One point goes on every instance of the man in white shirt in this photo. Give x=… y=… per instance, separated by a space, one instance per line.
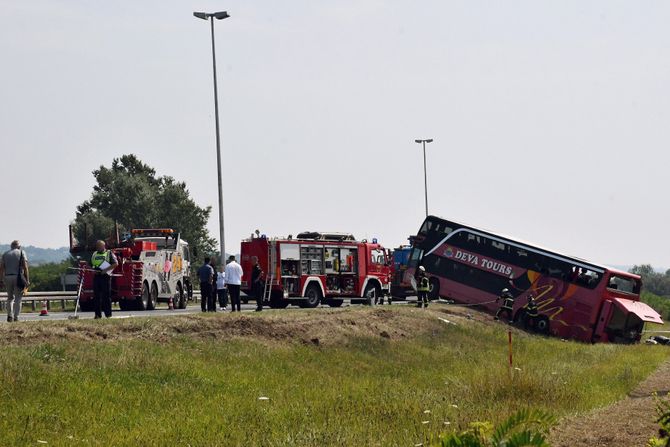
x=233 y=281
x=221 y=291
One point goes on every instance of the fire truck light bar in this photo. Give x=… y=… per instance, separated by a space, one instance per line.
x=145 y=231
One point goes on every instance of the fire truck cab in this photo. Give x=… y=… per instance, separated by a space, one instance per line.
x=316 y=267
x=154 y=266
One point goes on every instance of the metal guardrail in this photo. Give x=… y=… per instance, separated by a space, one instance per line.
x=49 y=297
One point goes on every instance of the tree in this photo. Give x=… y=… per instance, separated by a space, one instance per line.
x=653 y=281
x=131 y=194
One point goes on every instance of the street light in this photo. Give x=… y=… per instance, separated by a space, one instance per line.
x=219 y=16
x=425 y=175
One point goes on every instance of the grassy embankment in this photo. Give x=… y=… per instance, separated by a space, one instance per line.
x=197 y=388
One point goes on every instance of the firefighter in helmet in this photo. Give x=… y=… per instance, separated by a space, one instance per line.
x=507 y=305
x=532 y=313
x=422 y=287
x=103 y=262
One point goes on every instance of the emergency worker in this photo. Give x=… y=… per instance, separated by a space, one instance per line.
x=103 y=261
x=206 y=275
x=507 y=305
x=257 y=283
x=532 y=314
x=422 y=287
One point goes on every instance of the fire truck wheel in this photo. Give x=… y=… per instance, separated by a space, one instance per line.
x=153 y=297
x=312 y=296
x=142 y=302
x=86 y=306
x=126 y=305
x=278 y=302
x=434 y=291
x=335 y=303
x=372 y=293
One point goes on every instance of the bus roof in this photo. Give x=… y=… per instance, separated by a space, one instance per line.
x=575 y=259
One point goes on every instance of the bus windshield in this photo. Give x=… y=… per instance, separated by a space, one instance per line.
x=624 y=284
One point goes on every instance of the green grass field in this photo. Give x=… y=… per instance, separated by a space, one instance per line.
x=366 y=390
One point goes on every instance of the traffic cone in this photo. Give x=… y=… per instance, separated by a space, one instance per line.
x=45 y=308
x=171 y=304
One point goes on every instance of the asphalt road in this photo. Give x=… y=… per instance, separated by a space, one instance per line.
x=193 y=308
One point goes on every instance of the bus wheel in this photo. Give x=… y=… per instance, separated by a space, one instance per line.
x=335 y=303
x=371 y=294
x=153 y=297
x=434 y=291
x=542 y=325
x=312 y=296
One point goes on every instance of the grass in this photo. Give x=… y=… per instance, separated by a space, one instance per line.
x=367 y=391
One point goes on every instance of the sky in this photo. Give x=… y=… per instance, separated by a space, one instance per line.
x=549 y=119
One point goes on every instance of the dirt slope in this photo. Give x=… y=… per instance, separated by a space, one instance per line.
x=627 y=423
x=321 y=326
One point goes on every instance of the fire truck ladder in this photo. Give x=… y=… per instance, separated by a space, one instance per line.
x=272 y=259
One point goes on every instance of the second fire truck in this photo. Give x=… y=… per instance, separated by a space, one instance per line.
x=316 y=268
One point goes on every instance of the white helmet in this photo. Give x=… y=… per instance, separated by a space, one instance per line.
x=422 y=268
x=505 y=290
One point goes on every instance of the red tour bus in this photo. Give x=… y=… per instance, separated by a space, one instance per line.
x=576 y=299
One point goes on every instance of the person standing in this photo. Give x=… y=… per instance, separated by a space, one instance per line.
x=205 y=275
x=13 y=272
x=532 y=314
x=103 y=262
x=233 y=281
x=257 y=283
x=221 y=291
x=507 y=306
x=422 y=287
x=211 y=304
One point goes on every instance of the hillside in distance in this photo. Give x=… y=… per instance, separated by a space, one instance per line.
x=38 y=256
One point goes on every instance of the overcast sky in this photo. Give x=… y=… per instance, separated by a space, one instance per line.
x=550 y=119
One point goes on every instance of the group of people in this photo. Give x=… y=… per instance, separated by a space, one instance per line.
x=218 y=285
x=530 y=317
x=227 y=281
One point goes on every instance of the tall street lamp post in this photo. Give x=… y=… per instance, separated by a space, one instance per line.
x=425 y=175
x=219 y=16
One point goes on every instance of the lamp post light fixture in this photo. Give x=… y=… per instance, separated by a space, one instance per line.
x=425 y=175
x=219 y=16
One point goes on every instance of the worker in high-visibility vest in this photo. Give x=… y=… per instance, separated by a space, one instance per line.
x=103 y=262
x=532 y=313
x=422 y=287
x=507 y=305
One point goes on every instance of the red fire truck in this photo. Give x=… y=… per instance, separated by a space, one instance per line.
x=317 y=267
x=154 y=266
x=576 y=299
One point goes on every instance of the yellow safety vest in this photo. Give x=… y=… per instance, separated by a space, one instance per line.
x=98 y=258
x=424 y=286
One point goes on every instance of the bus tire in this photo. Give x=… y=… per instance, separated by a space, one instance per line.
x=335 y=303
x=434 y=291
x=371 y=294
x=542 y=325
x=312 y=296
